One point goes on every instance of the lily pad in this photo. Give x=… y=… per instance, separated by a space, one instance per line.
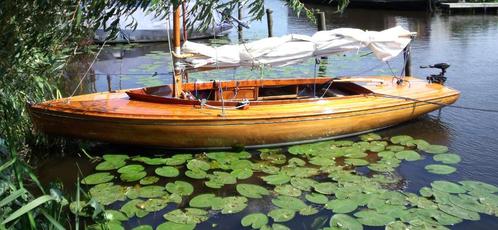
x=386 y=154
x=435 y=149
x=218 y=179
x=151 y=191
x=395 y=148
x=459 y=212
x=308 y=211
x=131 y=209
x=321 y=161
x=478 y=186
x=143 y=227
x=150 y=161
x=401 y=139
x=287 y=202
x=196 y=174
x=110 y=165
x=252 y=190
x=133 y=176
x=316 y=198
x=97 y=178
x=440 y=169
x=341 y=206
x=448 y=187
x=373 y=218
x=242 y=173
x=408 y=155
x=233 y=204
x=296 y=162
x=189 y=216
x=356 y=162
x=149 y=180
x=115 y=157
x=447 y=158
x=108 y=193
x=114 y=215
x=381 y=167
x=281 y=215
x=184 y=156
x=198 y=164
x=203 y=200
x=277 y=179
x=421 y=144
x=287 y=190
x=425 y=192
x=370 y=137
x=131 y=169
x=167 y=171
x=153 y=205
x=326 y=188
x=174 y=161
x=255 y=220
x=343 y=221
x=273 y=157
x=181 y=188
x=304 y=184
x=175 y=226
x=300 y=172
x=469 y=203
x=276 y=226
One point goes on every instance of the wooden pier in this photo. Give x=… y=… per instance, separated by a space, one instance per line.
x=485 y=8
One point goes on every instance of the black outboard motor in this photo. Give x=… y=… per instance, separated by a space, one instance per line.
x=437 y=78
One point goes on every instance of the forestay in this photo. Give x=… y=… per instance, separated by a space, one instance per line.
x=290 y=49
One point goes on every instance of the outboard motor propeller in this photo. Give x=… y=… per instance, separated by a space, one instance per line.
x=437 y=78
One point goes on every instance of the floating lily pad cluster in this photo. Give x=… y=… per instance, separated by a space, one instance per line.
x=354 y=183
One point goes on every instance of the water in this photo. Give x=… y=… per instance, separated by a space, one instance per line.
x=469 y=43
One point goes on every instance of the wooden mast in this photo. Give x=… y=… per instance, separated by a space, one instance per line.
x=177 y=76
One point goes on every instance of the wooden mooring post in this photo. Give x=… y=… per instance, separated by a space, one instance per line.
x=239 y=16
x=269 y=19
x=321 y=25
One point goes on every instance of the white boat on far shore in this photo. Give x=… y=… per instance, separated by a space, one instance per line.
x=152 y=28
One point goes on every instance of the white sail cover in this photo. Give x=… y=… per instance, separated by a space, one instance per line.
x=290 y=49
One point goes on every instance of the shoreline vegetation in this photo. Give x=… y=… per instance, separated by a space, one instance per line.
x=38 y=40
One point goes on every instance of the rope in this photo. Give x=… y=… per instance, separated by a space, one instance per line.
x=204 y=104
x=435 y=103
x=88 y=70
x=328 y=87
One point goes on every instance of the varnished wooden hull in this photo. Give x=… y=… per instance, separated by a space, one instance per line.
x=112 y=117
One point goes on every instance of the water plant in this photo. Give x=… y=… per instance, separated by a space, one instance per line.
x=353 y=183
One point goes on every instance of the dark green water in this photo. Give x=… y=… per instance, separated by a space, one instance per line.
x=469 y=43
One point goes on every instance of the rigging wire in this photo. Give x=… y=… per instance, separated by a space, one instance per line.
x=88 y=70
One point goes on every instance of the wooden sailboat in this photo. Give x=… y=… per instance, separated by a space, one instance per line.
x=243 y=113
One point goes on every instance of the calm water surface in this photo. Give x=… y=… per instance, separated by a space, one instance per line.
x=468 y=42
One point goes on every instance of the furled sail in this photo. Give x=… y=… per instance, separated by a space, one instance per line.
x=290 y=49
